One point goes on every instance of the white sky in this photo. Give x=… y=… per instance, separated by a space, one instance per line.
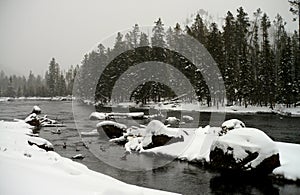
x=34 y=31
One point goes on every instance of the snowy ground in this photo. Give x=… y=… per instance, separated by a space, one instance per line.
x=28 y=169
x=58 y=98
x=279 y=109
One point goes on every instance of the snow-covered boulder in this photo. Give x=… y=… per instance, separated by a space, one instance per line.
x=231 y=124
x=41 y=143
x=111 y=129
x=47 y=122
x=172 y=121
x=36 y=110
x=98 y=116
x=187 y=119
x=33 y=120
x=157 y=134
x=248 y=149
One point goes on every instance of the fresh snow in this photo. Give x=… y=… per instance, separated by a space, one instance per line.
x=103 y=116
x=118 y=125
x=247 y=139
x=233 y=124
x=36 y=108
x=290 y=161
x=28 y=169
x=198 y=143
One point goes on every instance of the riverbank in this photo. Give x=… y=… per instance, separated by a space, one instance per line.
x=36 y=171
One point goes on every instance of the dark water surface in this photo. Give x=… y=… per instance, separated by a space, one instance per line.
x=176 y=176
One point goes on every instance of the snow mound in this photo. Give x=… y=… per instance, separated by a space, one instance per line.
x=241 y=143
x=290 y=161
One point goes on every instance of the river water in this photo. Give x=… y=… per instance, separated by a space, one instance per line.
x=176 y=176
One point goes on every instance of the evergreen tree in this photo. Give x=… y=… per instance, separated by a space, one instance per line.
x=230 y=58
x=10 y=91
x=267 y=77
x=158 y=37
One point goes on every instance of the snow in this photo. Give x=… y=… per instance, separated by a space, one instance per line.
x=98 y=116
x=233 y=124
x=118 y=125
x=187 y=118
x=195 y=147
x=40 y=141
x=36 y=171
x=290 y=161
x=197 y=144
x=89 y=133
x=36 y=108
x=31 y=117
x=103 y=116
x=247 y=139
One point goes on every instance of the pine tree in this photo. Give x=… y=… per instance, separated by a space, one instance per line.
x=285 y=85
x=10 y=91
x=267 y=77
x=158 y=37
x=230 y=59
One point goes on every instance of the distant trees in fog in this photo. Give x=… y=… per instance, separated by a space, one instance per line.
x=55 y=83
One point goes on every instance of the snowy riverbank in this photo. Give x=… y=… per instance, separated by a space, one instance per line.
x=28 y=169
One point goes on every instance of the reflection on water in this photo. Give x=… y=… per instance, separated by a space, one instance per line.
x=176 y=176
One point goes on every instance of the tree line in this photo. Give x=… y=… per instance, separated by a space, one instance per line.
x=56 y=82
x=259 y=60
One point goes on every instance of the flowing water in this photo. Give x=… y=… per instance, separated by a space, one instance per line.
x=175 y=176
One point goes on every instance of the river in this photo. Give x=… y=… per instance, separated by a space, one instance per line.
x=176 y=176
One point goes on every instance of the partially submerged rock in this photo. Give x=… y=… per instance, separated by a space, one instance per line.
x=155 y=134
x=247 y=150
x=230 y=125
x=33 y=120
x=41 y=143
x=172 y=121
x=187 y=119
x=78 y=157
x=37 y=110
x=111 y=129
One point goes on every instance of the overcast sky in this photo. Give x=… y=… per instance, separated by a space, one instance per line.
x=34 y=31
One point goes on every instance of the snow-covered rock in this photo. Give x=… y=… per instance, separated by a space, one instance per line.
x=187 y=118
x=41 y=143
x=154 y=135
x=245 y=150
x=98 y=116
x=112 y=129
x=47 y=122
x=157 y=134
x=233 y=124
x=172 y=121
x=78 y=156
x=90 y=133
x=36 y=110
x=33 y=120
